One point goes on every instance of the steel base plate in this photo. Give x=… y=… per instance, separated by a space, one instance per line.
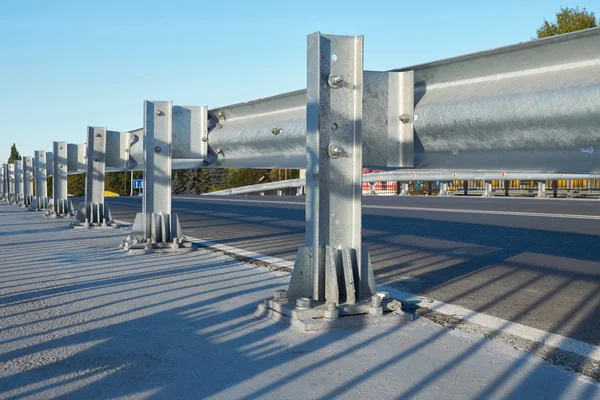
x=148 y=248
x=313 y=320
x=79 y=225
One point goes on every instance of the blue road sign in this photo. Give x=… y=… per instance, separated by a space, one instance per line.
x=138 y=183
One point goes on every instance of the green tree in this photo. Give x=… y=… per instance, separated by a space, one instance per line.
x=76 y=185
x=568 y=20
x=237 y=177
x=14 y=154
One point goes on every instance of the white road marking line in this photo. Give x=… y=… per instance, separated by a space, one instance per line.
x=438 y=210
x=487 y=321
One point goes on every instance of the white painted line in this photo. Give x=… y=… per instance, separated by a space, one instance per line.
x=276 y=262
x=440 y=210
x=498 y=324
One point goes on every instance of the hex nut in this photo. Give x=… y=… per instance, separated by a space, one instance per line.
x=328 y=314
x=280 y=294
x=376 y=301
x=302 y=303
x=375 y=311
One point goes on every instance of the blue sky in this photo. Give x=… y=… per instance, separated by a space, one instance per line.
x=65 y=65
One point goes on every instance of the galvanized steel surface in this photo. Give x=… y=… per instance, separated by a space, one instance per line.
x=41 y=187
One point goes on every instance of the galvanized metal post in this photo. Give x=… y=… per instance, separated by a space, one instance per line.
x=405 y=189
x=61 y=204
x=156 y=228
x=487 y=189
x=333 y=267
x=443 y=188
x=371 y=188
x=541 y=190
x=10 y=174
x=3 y=182
x=27 y=181
x=41 y=186
x=19 y=184
x=3 y=186
x=93 y=212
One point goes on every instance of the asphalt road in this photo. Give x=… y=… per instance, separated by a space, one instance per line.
x=535 y=262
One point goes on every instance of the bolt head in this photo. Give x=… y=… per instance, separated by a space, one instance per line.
x=98 y=135
x=335 y=150
x=280 y=294
x=205 y=139
x=331 y=306
x=159 y=113
x=157 y=149
x=404 y=118
x=276 y=131
x=335 y=81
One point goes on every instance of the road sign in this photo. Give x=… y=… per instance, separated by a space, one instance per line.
x=138 y=183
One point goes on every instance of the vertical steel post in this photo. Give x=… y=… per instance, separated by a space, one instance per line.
x=93 y=211
x=405 y=189
x=443 y=188
x=157 y=228
x=333 y=267
x=465 y=187
x=541 y=189
x=3 y=190
x=41 y=187
x=12 y=196
x=61 y=203
x=487 y=189
x=19 y=184
x=27 y=180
